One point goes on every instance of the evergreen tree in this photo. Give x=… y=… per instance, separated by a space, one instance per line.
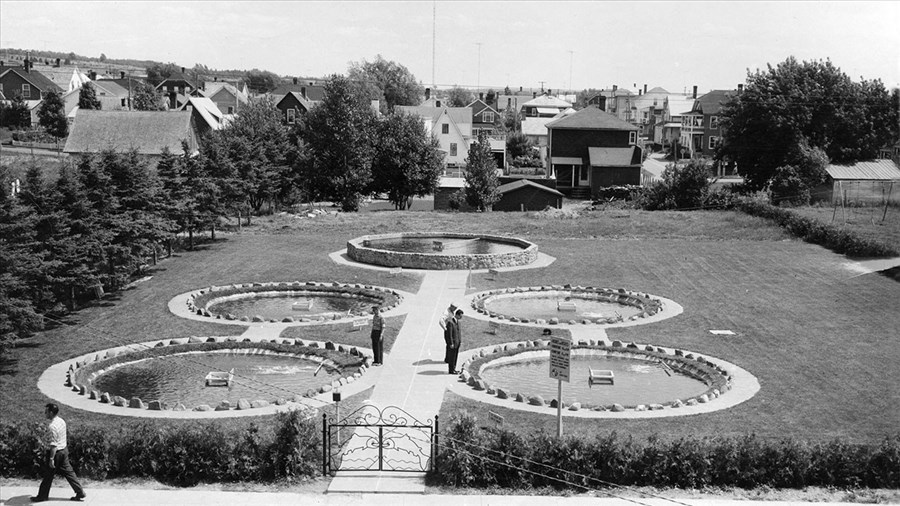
x=52 y=116
x=481 y=175
x=15 y=115
x=87 y=97
x=338 y=133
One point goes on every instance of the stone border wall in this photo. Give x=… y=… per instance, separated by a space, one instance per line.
x=717 y=379
x=80 y=376
x=200 y=301
x=646 y=303
x=360 y=252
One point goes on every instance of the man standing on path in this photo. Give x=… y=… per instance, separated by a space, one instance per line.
x=448 y=314
x=57 y=459
x=455 y=341
x=377 y=338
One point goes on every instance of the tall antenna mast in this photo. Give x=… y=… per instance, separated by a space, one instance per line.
x=433 y=38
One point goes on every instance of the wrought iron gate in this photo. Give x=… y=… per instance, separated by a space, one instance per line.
x=373 y=439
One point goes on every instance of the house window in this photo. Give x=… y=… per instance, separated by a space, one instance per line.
x=452 y=149
x=488 y=117
x=291 y=115
x=26 y=91
x=445 y=128
x=632 y=137
x=231 y=111
x=714 y=122
x=713 y=142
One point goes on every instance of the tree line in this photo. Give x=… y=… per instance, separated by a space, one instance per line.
x=110 y=213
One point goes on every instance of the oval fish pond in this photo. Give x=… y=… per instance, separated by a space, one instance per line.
x=445 y=245
x=180 y=378
x=278 y=307
x=635 y=381
x=563 y=306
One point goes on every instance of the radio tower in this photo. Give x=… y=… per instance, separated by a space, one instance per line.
x=433 y=38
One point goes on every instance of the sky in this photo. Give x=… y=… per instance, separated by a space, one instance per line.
x=555 y=45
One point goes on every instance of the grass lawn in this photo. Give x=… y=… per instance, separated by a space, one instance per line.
x=865 y=221
x=820 y=341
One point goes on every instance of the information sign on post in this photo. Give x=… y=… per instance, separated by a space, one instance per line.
x=560 y=354
x=560 y=348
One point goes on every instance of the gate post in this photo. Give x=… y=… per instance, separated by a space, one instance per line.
x=435 y=444
x=324 y=445
x=381 y=448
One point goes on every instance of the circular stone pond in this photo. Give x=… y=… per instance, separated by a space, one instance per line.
x=566 y=304
x=444 y=251
x=647 y=381
x=170 y=376
x=290 y=302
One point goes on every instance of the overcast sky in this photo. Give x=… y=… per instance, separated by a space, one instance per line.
x=561 y=44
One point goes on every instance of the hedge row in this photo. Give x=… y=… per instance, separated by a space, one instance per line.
x=485 y=457
x=289 y=448
x=810 y=230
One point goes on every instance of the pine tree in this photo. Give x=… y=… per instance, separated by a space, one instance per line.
x=481 y=175
x=52 y=116
x=87 y=97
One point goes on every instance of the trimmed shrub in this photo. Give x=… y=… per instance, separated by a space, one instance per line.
x=479 y=457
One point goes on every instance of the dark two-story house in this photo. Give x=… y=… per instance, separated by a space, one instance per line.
x=176 y=89
x=592 y=149
x=26 y=82
x=701 y=131
x=484 y=118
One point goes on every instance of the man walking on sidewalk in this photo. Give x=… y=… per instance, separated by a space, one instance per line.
x=57 y=458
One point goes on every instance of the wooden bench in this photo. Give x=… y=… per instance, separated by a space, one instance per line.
x=601 y=376
x=566 y=305
x=302 y=305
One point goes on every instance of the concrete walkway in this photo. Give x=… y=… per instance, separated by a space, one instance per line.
x=413 y=379
x=60 y=493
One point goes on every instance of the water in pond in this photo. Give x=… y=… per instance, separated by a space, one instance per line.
x=283 y=306
x=181 y=378
x=450 y=245
x=636 y=381
x=545 y=306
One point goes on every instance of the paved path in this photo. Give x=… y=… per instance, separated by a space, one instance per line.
x=60 y=493
x=413 y=379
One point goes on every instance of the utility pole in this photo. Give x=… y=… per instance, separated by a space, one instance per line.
x=571 y=57
x=433 y=45
x=478 y=82
x=542 y=85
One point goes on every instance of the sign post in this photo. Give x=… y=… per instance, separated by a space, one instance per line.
x=560 y=355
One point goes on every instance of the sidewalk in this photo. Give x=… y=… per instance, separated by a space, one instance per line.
x=60 y=493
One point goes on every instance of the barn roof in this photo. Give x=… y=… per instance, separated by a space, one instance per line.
x=149 y=132
x=873 y=170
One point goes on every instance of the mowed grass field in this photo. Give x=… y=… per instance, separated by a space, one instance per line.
x=821 y=339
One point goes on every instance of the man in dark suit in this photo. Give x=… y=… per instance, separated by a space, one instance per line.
x=455 y=340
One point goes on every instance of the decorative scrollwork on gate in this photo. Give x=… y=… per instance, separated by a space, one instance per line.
x=388 y=439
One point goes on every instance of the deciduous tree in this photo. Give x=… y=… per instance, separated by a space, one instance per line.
x=811 y=103
x=459 y=97
x=338 y=133
x=407 y=160
x=146 y=98
x=386 y=78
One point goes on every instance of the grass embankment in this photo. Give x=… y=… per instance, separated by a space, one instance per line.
x=871 y=222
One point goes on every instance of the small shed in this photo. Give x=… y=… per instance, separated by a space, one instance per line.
x=864 y=182
x=526 y=195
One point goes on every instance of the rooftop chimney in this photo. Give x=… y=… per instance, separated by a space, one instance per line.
x=740 y=89
x=427 y=93
x=481 y=96
x=57 y=62
x=639 y=92
x=520 y=88
x=182 y=70
x=437 y=103
x=303 y=91
x=122 y=74
x=295 y=80
x=533 y=94
x=695 y=93
x=615 y=87
x=645 y=89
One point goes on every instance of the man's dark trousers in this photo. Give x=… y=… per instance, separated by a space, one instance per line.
x=63 y=467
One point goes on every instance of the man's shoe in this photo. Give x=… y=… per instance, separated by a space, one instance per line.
x=78 y=498
x=38 y=499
